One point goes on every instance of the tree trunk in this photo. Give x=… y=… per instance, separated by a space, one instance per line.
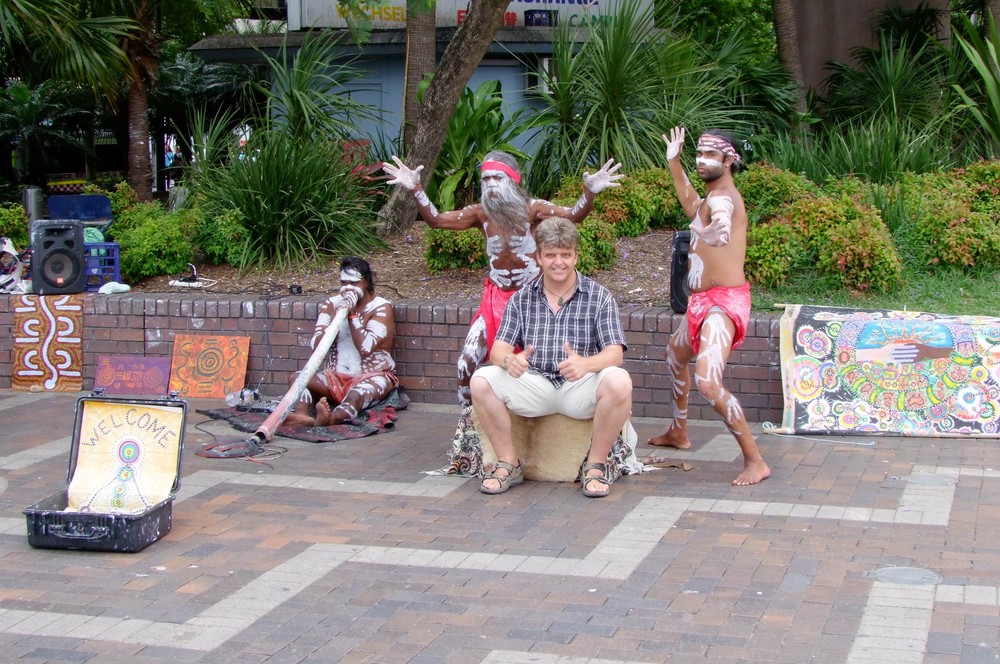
x=786 y=34
x=464 y=53
x=994 y=7
x=421 y=57
x=140 y=172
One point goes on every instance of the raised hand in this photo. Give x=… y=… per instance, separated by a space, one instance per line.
x=574 y=366
x=402 y=174
x=674 y=143
x=603 y=178
x=350 y=295
x=518 y=363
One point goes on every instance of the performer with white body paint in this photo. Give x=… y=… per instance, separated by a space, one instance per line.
x=719 y=305
x=360 y=370
x=507 y=217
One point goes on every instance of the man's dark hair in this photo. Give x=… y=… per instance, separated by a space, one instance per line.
x=363 y=268
x=738 y=164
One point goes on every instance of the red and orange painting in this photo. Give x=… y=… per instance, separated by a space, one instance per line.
x=208 y=366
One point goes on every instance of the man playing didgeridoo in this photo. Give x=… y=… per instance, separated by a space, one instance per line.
x=719 y=305
x=507 y=216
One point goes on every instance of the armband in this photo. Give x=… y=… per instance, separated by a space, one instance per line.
x=506 y=361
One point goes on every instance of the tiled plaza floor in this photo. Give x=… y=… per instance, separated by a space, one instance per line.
x=861 y=550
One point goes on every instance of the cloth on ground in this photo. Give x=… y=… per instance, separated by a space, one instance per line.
x=379 y=418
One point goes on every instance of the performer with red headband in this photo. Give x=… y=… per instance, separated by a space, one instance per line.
x=719 y=305
x=508 y=216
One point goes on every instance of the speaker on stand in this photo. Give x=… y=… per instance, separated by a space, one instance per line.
x=678 y=272
x=58 y=258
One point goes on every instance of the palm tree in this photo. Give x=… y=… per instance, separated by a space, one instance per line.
x=421 y=58
x=786 y=35
x=40 y=39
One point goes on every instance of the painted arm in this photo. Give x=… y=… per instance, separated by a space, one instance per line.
x=719 y=230
x=594 y=184
x=409 y=178
x=375 y=333
x=686 y=194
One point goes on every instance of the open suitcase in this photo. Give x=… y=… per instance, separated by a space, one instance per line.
x=124 y=469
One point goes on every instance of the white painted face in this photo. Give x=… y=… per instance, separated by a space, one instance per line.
x=350 y=277
x=710 y=163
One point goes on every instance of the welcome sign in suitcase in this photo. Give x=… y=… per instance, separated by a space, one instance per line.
x=124 y=470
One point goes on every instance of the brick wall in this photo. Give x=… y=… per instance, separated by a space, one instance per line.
x=429 y=334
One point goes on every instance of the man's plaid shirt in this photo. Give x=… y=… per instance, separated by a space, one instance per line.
x=589 y=321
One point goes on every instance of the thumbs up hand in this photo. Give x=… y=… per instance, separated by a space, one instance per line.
x=574 y=367
x=517 y=365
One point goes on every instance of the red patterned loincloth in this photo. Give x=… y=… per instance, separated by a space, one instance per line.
x=734 y=301
x=491 y=309
x=340 y=384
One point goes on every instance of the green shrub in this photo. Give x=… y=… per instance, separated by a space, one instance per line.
x=299 y=200
x=14 y=225
x=773 y=251
x=861 y=253
x=983 y=179
x=154 y=242
x=615 y=206
x=766 y=188
x=222 y=238
x=448 y=250
x=852 y=187
x=656 y=189
x=938 y=207
x=813 y=217
x=597 y=245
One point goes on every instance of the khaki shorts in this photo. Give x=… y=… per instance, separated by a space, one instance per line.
x=532 y=395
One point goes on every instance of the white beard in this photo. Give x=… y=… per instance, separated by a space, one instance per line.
x=505 y=203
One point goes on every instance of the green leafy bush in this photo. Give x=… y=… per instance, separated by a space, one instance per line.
x=14 y=225
x=223 y=237
x=946 y=230
x=448 y=250
x=813 y=217
x=654 y=190
x=298 y=200
x=597 y=245
x=861 y=253
x=773 y=251
x=154 y=242
x=766 y=188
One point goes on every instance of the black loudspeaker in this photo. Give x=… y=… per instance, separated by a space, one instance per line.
x=679 y=272
x=58 y=261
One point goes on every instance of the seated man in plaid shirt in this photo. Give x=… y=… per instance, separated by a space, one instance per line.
x=573 y=348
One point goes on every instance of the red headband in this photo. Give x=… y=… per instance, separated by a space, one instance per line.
x=500 y=166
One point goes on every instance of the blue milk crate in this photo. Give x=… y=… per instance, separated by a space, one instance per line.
x=102 y=264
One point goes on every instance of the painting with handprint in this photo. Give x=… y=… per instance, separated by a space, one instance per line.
x=878 y=371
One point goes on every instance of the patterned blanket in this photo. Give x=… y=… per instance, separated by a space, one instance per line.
x=902 y=372
x=379 y=418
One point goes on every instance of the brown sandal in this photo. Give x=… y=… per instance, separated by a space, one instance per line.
x=602 y=479
x=513 y=476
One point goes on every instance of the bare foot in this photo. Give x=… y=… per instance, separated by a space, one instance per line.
x=299 y=420
x=674 y=437
x=754 y=472
x=323 y=418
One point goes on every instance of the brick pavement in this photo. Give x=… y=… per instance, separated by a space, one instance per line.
x=859 y=550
